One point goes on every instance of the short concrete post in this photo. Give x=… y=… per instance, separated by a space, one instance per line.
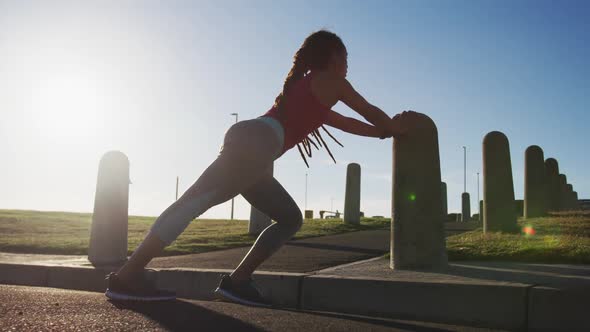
x=480 y=210
x=535 y=188
x=498 y=188
x=563 y=206
x=553 y=195
x=465 y=207
x=570 y=197
x=258 y=220
x=417 y=230
x=352 y=195
x=108 y=233
x=443 y=192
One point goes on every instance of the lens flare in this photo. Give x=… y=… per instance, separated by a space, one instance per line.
x=528 y=230
x=412 y=197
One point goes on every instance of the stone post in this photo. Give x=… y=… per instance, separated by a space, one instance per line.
x=480 y=210
x=258 y=220
x=108 y=233
x=465 y=207
x=553 y=195
x=498 y=188
x=417 y=230
x=570 y=196
x=535 y=188
x=563 y=206
x=352 y=195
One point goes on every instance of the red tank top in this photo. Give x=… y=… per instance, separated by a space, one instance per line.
x=302 y=113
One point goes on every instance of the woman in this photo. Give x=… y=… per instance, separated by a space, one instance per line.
x=315 y=83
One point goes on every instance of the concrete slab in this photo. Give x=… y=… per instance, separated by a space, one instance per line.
x=553 y=309
x=489 y=304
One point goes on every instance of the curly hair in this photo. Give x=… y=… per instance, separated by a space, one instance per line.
x=314 y=54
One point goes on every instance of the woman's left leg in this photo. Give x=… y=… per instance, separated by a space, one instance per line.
x=270 y=198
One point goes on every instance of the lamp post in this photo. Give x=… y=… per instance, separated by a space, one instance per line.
x=232 y=200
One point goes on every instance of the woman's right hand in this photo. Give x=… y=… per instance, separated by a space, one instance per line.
x=397 y=128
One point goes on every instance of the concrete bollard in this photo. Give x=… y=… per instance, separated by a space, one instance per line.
x=258 y=220
x=480 y=216
x=465 y=207
x=417 y=230
x=563 y=205
x=443 y=192
x=452 y=217
x=535 y=187
x=352 y=195
x=576 y=202
x=553 y=193
x=498 y=189
x=108 y=233
x=570 y=196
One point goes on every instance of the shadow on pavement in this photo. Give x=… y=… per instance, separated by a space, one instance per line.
x=179 y=315
x=406 y=326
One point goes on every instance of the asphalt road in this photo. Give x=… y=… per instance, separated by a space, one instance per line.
x=25 y=308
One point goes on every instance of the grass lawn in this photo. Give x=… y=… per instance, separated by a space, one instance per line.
x=24 y=231
x=559 y=238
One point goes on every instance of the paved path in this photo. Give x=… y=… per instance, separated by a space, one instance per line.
x=43 y=309
x=295 y=256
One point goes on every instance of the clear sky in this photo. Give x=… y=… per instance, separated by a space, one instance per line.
x=158 y=80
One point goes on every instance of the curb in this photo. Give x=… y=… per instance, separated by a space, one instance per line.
x=503 y=305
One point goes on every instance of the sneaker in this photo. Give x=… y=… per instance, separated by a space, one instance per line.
x=244 y=293
x=141 y=289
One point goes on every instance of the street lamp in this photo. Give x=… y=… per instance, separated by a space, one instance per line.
x=232 y=200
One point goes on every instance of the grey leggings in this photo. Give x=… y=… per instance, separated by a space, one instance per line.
x=243 y=166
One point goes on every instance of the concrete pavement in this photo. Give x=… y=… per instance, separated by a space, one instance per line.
x=41 y=309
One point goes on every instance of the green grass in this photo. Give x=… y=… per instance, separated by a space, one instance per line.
x=25 y=231
x=559 y=238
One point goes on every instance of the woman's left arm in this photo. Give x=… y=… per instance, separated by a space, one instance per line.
x=353 y=126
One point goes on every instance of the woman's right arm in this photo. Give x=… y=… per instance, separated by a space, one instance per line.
x=349 y=96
